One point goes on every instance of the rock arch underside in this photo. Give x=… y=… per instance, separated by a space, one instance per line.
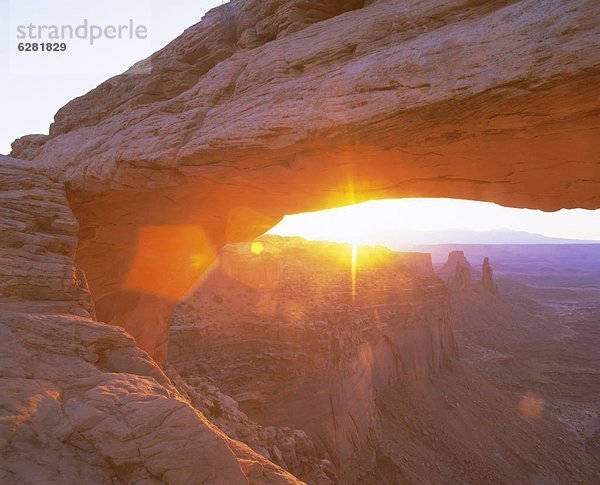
x=262 y=109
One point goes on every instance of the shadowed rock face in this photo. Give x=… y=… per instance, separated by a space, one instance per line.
x=267 y=108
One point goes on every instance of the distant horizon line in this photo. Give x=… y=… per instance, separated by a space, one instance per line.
x=569 y=242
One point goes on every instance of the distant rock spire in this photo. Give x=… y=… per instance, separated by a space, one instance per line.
x=457 y=271
x=461 y=280
x=487 y=277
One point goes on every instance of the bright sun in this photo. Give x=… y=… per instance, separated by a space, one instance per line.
x=431 y=221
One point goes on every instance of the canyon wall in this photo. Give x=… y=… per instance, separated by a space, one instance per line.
x=368 y=372
x=37 y=244
x=268 y=108
x=295 y=342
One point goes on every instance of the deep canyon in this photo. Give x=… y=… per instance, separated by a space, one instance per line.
x=371 y=372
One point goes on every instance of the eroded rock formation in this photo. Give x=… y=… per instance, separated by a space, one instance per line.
x=457 y=272
x=80 y=403
x=261 y=109
x=37 y=244
x=372 y=379
x=267 y=108
x=487 y=277
x=288 y=447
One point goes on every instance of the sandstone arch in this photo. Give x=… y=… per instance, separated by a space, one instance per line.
x=225 y=130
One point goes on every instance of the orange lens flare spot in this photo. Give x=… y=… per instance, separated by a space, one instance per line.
x=531 y=406
x=257 y=247
x=259 y=273
x=199 y=261
x=169 y=259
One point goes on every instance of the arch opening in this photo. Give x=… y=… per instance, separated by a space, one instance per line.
x=142 y=251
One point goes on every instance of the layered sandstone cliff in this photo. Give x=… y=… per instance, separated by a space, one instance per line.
x=367 y=373
x=37 y=244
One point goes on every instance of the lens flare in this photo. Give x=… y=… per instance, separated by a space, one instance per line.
x=354 y=267
x=531 y=406
x=257 y=247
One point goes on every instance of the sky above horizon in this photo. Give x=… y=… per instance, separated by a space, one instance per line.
x=395 y=222
x=34 y=85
